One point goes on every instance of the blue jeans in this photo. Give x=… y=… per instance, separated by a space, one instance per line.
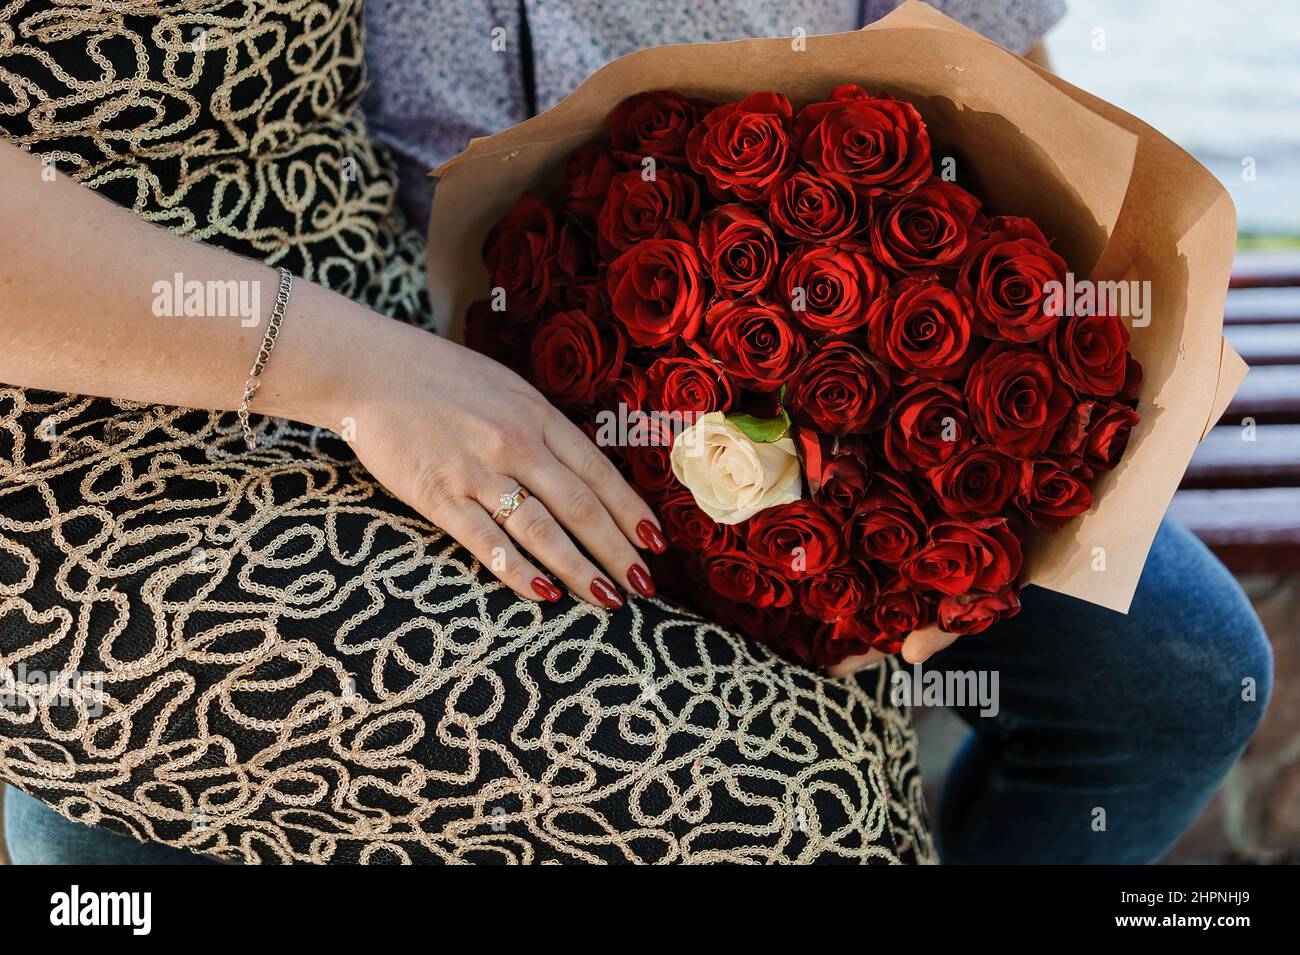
x=1112 y=732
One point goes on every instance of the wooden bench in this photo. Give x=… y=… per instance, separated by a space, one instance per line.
x=1242 y=497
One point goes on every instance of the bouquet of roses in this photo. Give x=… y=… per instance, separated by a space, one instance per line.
x=829 y=328
x=855 y=392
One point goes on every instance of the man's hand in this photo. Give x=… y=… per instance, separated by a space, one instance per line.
x=919 y=646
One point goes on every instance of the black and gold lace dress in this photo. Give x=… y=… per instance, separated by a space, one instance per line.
x=262 y=656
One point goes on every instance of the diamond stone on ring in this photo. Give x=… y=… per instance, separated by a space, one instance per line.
x=509 y=503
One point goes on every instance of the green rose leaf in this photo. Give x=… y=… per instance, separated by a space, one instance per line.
x=762 y=430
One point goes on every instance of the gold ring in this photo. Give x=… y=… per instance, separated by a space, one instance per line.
x=510 y=503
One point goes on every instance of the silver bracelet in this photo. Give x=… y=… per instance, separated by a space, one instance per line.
x=263 y=355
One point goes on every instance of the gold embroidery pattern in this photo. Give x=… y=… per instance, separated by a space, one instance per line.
x=233 y=123
x=295 y=667
x=273 y=660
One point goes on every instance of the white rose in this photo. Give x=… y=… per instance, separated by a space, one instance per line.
x=732 y=477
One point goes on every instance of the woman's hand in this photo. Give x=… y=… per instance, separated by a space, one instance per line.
x=919 y=646
x=449 y=431
x=446 y=430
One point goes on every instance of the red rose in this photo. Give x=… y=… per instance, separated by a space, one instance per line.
x=796 y=539
x=1091 y=354
x=656 y=289
x=898 y=611
x=636 y=208
x=743 y=149
x=926 y=229
x=527 y=251
x=972 y=613
x=688 y=384
x=812 y=208
x=654 y=124
x=922 y=328
x=631 y=389
x=737 y=577
x=976 y=483
x=888 y=526
x=587 y=297
x=1004 y=276
x=840 y=389
x=754 y=342
x=1108 y=436
x=878 y=144
x=1016 y=402
x=739 y=250
x=830 y=290
x=836 y=470
x=652 y=470
x=1049 y=496
x=841 y=639
x=688 y=527
x=1069 y=439
x=927 y=426
x=572 y=359
x=837 y=593
x=962 y=558
x=587 y=174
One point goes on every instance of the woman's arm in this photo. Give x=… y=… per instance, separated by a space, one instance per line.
x=77 y=307
x=86 y=306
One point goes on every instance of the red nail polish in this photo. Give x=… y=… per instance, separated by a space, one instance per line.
x=640 y=580
x=546 y=590
x=604 y=591
x=652 y=536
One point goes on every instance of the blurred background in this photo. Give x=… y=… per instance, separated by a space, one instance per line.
x=1222 y=79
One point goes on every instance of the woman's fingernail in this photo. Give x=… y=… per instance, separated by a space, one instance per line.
x=640 y=580
x=604 y=591
x=652 y=536
x=546 y=590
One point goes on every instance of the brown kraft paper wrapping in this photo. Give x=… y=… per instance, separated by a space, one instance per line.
x=1119 y=200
